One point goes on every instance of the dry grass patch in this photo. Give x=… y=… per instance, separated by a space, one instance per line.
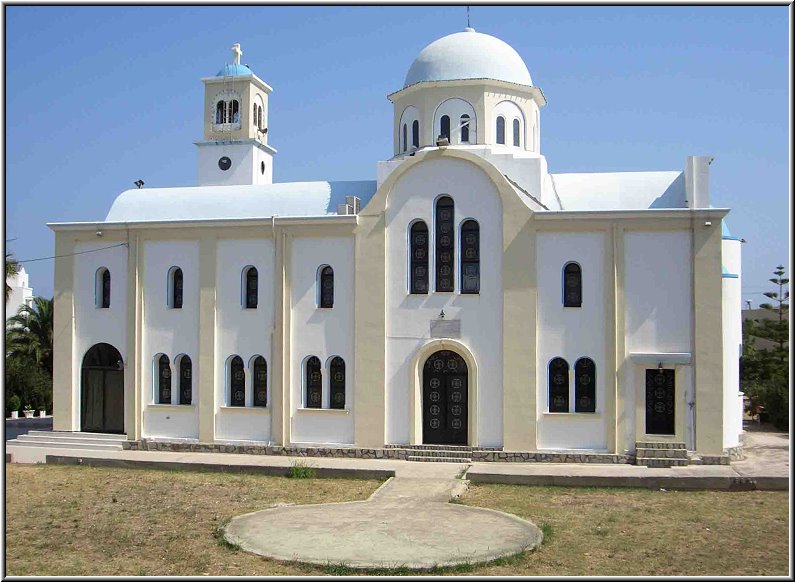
x=637 y=532
x=73 y=521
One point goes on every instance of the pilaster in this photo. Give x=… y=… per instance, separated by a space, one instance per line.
x=65 y=394
x=208 y=246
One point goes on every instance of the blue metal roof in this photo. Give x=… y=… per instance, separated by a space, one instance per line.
x=235 y=71
x=724 y=231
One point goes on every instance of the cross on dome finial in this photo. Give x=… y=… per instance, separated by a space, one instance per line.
x=236 y=52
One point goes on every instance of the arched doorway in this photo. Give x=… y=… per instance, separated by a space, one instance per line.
x=102 y=390
x=445 y=382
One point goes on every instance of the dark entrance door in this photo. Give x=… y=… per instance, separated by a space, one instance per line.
x=660 y=405
x=102 y=390
x=444 y=399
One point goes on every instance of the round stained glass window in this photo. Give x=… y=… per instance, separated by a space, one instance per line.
x=456 y=423
x=435 y=383
x=434 y=396
x=261 y=395
x=455 y=397
x=434 y=409
x=434 y=423
x=315 y=397
x=239 y=395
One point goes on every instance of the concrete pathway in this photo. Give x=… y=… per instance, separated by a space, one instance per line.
x=407 y=522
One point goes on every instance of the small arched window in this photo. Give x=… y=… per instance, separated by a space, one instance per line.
x=405 y=137
x=313 y=380
x=415 y=134
x=259 y=116
x=251 y=287
x=220 y=112
x=444 y=244
x=572 y=285
x=326 y=287
x=237 y=382
x=260 y=382
x=501 y=129
x=102 y=288
x=418 y=260
x=337 y=382
x=465 y=128
x=585 y=385
x=185 y=380
x=470 y=257
x=175 y=288
x=516 y=133
x=558 y=385
x=234 y=111
x=163 y=380
x=254 y=115
x=445 y=126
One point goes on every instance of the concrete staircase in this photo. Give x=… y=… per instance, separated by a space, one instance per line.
x=661 y=454
x=31 y=445
x=438 y=453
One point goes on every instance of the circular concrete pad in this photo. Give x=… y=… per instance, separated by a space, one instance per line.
x=371 y=534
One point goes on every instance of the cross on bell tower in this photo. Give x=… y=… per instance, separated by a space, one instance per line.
x=236 y=53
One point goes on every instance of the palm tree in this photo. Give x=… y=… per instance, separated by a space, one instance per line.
x=29 y=332
x=12 y=268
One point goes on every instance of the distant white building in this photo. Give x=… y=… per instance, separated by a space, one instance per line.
x=21 y=292
x=466 y=297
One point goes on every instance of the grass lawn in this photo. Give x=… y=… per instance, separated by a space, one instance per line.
x=97 y=521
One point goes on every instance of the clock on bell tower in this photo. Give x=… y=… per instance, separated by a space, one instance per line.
x=235 y=148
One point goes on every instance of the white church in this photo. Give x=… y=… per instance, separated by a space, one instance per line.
x=466 y=301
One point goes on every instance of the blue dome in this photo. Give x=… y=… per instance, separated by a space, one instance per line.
x=235 y=71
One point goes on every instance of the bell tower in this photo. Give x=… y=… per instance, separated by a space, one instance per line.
x=235 y=148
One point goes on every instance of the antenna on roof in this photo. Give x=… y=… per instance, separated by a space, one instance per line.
x=468 y=26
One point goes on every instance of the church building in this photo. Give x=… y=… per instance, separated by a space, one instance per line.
x=467 y=299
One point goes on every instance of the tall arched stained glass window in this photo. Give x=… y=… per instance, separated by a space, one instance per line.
x=163 y=380
x=418 y=260
x=558 y=385
x=516 y=133
x=237 y=382
x=102 y=288
x=444 y=244
x=572 y=285
x=313 y=379
x=465 y=128
x=444 y=122
x=337 y=382
x=405 y=137
x=327 y=287
x=185 y=380
x=470 y=257
x=252 y=288
x=415 y=134
x=501 y=129
x=175 y=288
x=260 y=383
x=584 y=385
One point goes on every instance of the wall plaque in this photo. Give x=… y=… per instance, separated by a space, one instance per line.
x=450 y=328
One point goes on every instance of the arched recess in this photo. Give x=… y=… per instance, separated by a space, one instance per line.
x=415 y=399
x=456 y=108
x=102 y=390
x=510 y=111
x=410 y=115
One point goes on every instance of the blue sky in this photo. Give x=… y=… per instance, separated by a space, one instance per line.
x=97 y=97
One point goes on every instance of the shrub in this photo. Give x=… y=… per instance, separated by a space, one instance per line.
x=12 y=403
x=301 y=470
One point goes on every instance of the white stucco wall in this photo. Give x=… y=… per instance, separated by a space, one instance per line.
x=732 y=343
x=658 y=316
x=243 y=332
x=245 y=169
x=21 y=292
x=321 y=332
x=171 y=332
x=93 y=325
x=408 y=316
x=571 y=333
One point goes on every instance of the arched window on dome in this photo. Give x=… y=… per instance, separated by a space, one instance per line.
x=415 y=134
x=444 y=123
x=220 y=112
x=470 y=257
x=445 y=264
x=558 y=378
x=516 y=133
x=501 y=129
x=418 y=259
x=465 y=128
x=405 y=137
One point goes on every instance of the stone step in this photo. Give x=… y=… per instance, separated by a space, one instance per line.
x=55 y=434
x=49 y=438
x=659 y=445
x=423 y=459
x=661 y=462
x=644 y=453
x=59 y=444
x=438 y=453
x=442 y=447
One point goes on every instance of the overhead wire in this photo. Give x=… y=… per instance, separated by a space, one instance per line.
x=124 y=244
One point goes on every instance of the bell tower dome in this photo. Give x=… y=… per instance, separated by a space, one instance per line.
x=235 y=148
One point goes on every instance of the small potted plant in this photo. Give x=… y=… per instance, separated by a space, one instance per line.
x=42 y=413
x=14 y=404
x=28 y=411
